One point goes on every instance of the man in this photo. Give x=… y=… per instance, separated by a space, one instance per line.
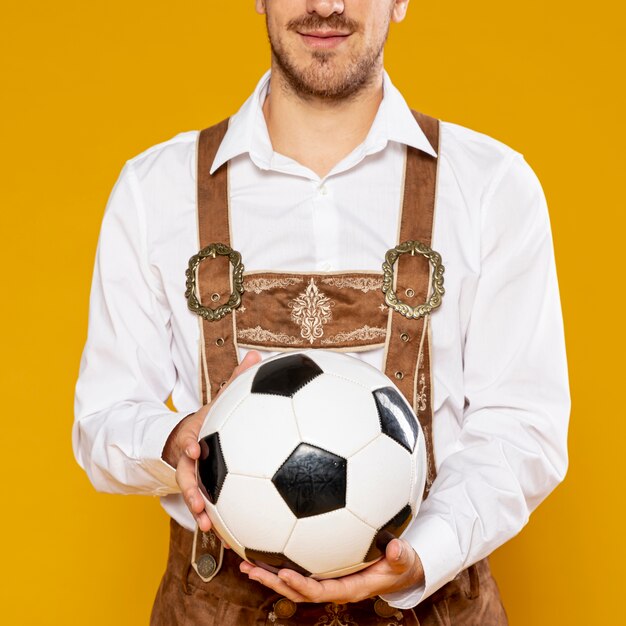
x=315 y=162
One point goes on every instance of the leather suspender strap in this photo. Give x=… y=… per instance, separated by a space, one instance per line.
x=407 y=360
x=218 y=348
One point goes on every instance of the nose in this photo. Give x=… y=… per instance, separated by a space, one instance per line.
x=325 y=8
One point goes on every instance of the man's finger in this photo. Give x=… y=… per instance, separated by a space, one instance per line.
x=399 y=555
x=204 y=523
x=307 y=587
x=191 y=447
x=186 y=479
x=252 y=358
x=394 y=551
x=273 y=582
x=349 y=589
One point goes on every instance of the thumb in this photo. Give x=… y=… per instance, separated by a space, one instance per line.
x=398 y=554
x=252 y=358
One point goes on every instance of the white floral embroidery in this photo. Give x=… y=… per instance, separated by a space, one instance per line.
x=360 y=334
x=362 y=283
x=422 y=396
x=311 y=310
x=257 y=285
x=262 y=335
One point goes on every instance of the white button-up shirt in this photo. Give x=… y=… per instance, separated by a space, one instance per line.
x=501 y=395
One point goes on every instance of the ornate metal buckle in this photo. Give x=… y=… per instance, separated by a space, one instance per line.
x=211 y=251
x=392 y=300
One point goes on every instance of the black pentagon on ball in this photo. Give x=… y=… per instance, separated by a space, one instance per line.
x=312 y=481
x=212 y=468
x=273 y=561
x=396 y=418
x=286 y=375
x=392 y=529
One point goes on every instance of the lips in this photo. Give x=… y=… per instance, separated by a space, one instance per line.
x=324 y=34
x=324 y=38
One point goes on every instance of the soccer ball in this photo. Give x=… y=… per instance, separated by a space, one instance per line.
x=312 y=461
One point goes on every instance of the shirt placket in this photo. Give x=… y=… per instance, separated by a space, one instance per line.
x=326 y=226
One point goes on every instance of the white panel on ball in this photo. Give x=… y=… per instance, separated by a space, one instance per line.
x=224 y=404
x=259 y=435
x=311 y=544
x=379 y=481
x=420 y=469
x=255 y=513
x=223 y=531
x=336 y=415
x=351 y=368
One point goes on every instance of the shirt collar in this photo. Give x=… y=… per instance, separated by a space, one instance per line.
x=247 y=130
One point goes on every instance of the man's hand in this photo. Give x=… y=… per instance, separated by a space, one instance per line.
x=182 y=449
x=401 y=568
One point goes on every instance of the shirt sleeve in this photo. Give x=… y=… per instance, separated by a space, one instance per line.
x=126 y=371
x=512 y=449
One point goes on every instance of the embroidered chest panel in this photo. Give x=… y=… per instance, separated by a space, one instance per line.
x=286 y=311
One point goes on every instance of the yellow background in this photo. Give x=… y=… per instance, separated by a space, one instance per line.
x=87 y=85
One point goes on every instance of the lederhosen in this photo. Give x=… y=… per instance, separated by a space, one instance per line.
x=283 y=311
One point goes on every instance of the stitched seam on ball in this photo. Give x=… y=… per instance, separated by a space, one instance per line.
x=295 y=417
x=231 y=413
x=308 y=382
x=347 y=508
x=350 y=380
x=376 y=436
x=288 y=539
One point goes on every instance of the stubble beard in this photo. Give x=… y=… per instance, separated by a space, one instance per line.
x=321 y=79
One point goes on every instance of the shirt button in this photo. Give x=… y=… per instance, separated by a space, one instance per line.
x=323 y=190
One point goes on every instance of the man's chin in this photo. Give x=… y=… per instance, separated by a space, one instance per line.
x=322 y=80
x=325 y=75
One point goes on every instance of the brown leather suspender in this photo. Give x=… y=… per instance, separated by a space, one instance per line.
x=407 y=360
x=218 y=355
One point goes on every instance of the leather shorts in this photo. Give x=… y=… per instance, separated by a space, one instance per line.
x=228 y=598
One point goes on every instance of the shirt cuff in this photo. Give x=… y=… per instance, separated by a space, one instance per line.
x=437 y=546
x=152 y=447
